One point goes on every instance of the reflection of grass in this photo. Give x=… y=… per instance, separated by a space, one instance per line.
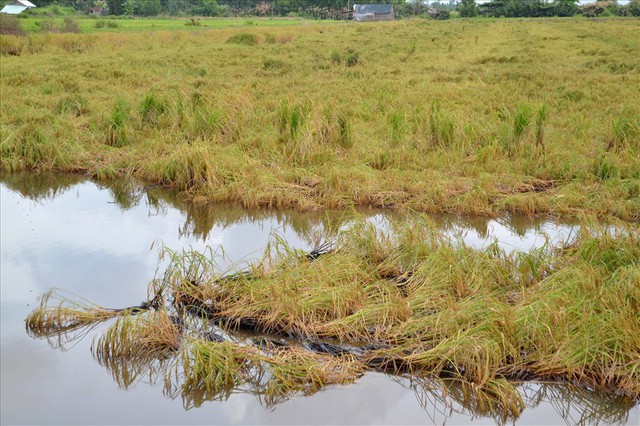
x=40 y=186
x=144 y=336
x=283 y=123
x=581 y=405
x=409 y=302
x=200 y=218
x=576 y=405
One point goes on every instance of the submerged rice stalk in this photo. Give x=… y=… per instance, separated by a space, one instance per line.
x=60 y=311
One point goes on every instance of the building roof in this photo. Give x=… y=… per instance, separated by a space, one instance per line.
x=24 y=3
x=372 y=8
x=11 y=9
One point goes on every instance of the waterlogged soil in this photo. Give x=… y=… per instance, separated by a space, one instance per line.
x=100 y=241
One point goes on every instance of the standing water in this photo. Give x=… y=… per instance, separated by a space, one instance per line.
x=96 y=241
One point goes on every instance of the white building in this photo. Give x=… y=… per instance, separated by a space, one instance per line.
x=17 y=6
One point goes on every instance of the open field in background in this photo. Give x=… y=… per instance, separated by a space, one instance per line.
x=469 y=116
x=88 y=25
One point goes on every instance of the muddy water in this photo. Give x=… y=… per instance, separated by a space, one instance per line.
x=95 y=241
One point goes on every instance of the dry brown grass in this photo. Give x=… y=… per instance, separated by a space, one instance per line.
x=457 y=126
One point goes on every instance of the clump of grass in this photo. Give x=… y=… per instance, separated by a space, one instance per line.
x=352 y=58
x=151 y=108
x=70 y=26
x=381 y=160
x=291 y=119
x=10 y=45
x=269 y=38
x=441 y=125
x=398 y=127
x=30 y=145
x=410 y=51
x=344 y=130
x=193 y=22
x=118 y=133
x=605 y=167
x=336 y=57
x=73 y=43
x=443 y=305
x=75 y=104
x=9 y=25
x=246 y=39
x=540 y=120
x=626 y=132
x=521 y=120
x=334 y=128
x=47 y=26
x=205 y=123
x=270 y=64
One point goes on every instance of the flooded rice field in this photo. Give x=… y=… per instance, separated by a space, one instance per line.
x=101 y=242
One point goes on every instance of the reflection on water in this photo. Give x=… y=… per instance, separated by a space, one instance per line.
x=577 y=406
x=40 y=187
x=199 y=219
x=93 y=240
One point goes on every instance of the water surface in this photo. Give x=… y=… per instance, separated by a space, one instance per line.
x=95 y=240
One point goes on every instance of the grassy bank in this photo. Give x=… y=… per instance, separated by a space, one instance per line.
x=409 y=303
x=481 y=117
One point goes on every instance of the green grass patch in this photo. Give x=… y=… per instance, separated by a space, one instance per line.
x=125 y=25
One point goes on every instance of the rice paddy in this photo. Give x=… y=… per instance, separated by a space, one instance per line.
x=485 y=117
x=470 y=116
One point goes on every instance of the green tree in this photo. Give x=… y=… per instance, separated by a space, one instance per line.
x=468 y=9
x=634 y=7
x=149 y=7
x=130 y=7
x=210 y=8
x=116 y=7
x=565 y=7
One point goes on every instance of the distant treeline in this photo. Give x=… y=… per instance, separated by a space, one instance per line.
x=540 y=8
x=334 y=9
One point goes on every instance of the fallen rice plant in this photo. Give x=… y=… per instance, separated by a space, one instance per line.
x=409 y=302
x=62 y=314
